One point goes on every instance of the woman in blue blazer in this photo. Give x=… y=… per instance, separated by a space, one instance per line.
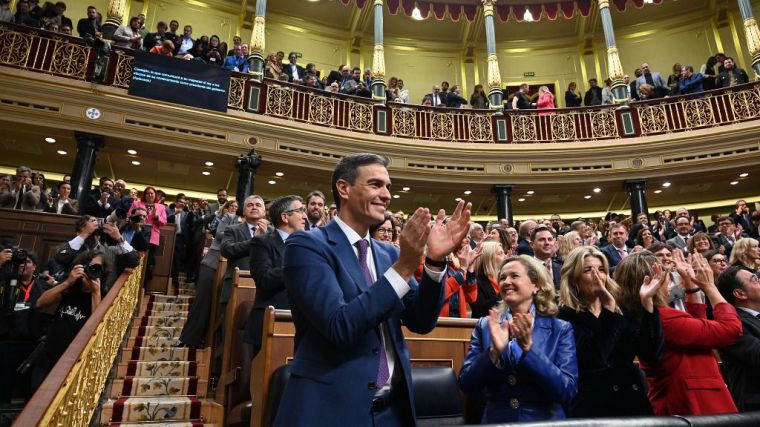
x=520 y=354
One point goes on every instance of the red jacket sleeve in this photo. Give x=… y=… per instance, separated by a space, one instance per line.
x=697 y=332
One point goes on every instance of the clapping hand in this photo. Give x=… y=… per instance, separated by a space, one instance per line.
x=499 y=332
x=703 y=275
x=683 y=268
x=522 y=329
x=443 y=238
x=472 y=256
x=652 y=285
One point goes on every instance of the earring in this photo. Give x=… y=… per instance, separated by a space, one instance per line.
x=535 y=292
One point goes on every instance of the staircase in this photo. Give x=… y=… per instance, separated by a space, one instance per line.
x=156 y=383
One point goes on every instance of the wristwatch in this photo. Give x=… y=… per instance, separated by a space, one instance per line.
x=692 y=291
x=433 y=263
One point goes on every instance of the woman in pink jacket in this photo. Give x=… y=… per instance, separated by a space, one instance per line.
x=545 y=99
x=156 y=217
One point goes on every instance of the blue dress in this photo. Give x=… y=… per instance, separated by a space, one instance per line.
x=525 y=386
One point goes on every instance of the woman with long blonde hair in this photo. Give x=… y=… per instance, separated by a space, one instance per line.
x=746 y=253
x=485 y=272
x=607 y=341
x=521 y=355
x=569 y=242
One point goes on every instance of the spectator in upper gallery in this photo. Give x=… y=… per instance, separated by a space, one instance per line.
x=632 y=86
x=66 y=29
x=403 y=93
x=172 y=33
x=444 y=92
x=391 y=92
x=646 y=91
x=244 y=49
x=454 y=98
x=427 y=101
x=741 y=215
x=545 y=98
x=690 y=82
x=5 y=11
x=521 y=100
x=143 y=29
x=60 y=9
x=334 y=87
x=62 y=204
x=38 y=179
x=185 y=42
x=236 y=62
x=23 y=195
x=479 y=99
x=128 y=35
x=236 y=41
x=708 y=73
x=572 y=96
x=23 y=15
x=155 y=39
x=343 y=78
x=652 y=78
x=731 y=74
x=720 y=57
x=607 y=97
x=312 y=82
x=89 y=25
x=674 y=79
x=213 y=53
x=51 y=13
x=166 y=48
x=66 y=179
x=627 y=81
x=436 y=99
x=362 y=90
x=593 y=94
x=294 y=71
x=196 y=53
x=349 y=85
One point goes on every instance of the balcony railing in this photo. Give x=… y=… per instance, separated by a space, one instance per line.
x=69 y=57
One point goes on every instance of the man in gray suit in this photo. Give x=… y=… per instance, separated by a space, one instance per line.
x=236 y=242
x=683 y=227
x=653 y=78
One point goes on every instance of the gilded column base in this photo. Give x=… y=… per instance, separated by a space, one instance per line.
x=256 y=65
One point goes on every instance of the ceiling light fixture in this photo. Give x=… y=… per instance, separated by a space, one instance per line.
x=587 y=196
x=458 y=199
x=279 y=173
x=657 y=191
x=530 y=192
x=135 y=162
x=207 y=173
x=666 y=184
x=467 y=192
x=271 y=181
x=406 y=189
x=743 y=175
x=521 y=199
x=416 y=14
x=61 y=152
x=132 y=152
x=209 y=164
x=597 y=190
x=528 y=17
x=396 y=196
x=50 y=140
x=734 y=182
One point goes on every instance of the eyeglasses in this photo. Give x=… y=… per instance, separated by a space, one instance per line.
x=300 y=210
x=719 y=260
x=382 y=230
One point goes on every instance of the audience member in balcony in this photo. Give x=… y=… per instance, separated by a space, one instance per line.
x=612 y=326
x=53 y=27
x=89 y=25
x=196 y=53
x=633 y=86
x=687 y=380
x=294 y=71
x=22 y=195
x=350 y=79
x=101 y=201
x=593 y=94
x=521 y=100
x=607 y=96
x=731 y=74
x=23 y=15
x=521 y=355
x=437 y=98
x=334 y=87
x=646 y=91
x=674 y=79
x=479 y=99
x=741 y=288
x=654 y=79
x=38 y=180
x=143 y=29
x=403 y=93
x=545 y=98
x=60 y=10
x=690 y=82
x=391 y=91
x=5 y=11
x=62 y=204
x=76 y=299
x=573 y=97
x=236 y=41
x=66 y=29
x=312 y=82
x=273 y=66
x=444 y=92
x=236 y=62
x=244 y=49
x=484 y=271
x=128 y=35
x=213 y=53
x=155 y=39
x=54 y=190
x=746 y=253
x=427 y=101
x=454 y=99
x=172 y=33
x=156 y=219
x=708 y=73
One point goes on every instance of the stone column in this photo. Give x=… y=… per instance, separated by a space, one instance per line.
x=378 y=56
x=257 y=45
x=752 y=33
x=614 y=67
x=494 y=77
x=88 y=145
x=246 y=164
x=637 y=197
x=114 y=17
x=504 y=202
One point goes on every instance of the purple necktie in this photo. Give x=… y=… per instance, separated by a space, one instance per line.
x=382 y=371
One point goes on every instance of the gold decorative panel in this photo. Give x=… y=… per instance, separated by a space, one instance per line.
x=563 y=126
x=235 y=97
x=697 y=113
x=653 y=119
x=320 y=110
x=523 y=128
x=404 y=123
x=442 y=126
x=480 y=128
x=603 y=124
x=360 y=117
x=279 y=101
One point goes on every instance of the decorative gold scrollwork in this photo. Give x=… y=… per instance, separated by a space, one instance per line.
x=480 y=127
x=523 y=127
x=70 y=60
x=235 y=97
x=441 y=126
x=14 y=47
x=653 y=119
x=404 y=122
x=697 y=113
x=603 y=124
x=123 y=72
x=321 y=110
x=563 y=126
x=360 y=116
x=746 y=103
x=279 y=101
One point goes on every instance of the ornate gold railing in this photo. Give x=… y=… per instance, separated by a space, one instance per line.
x=563 y=125
x=441 y=124
x=69 y=395
x=45 y=52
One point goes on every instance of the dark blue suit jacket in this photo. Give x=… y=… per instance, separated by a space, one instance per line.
x=613 y=257
x=336 y=314
x=540 y=382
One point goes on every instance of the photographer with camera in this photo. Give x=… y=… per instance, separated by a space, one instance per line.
x=76 y=299
x=23 y=195
x=94 y=234
x=136 y=232
x=21 y=325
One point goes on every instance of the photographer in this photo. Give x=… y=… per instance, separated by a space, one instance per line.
x=76 y=298
x=101 y=202
x=136 y=232
x=23 y=195
x=22 y=324
x=105 y=237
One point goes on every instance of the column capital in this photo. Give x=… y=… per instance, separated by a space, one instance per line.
x=91 y=140
x=503 y=188
x=488 y=7
x=636 y=184
x=604 y=4
x=377 y=3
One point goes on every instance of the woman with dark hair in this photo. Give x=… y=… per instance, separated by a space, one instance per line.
x=607 y=340
x=501 y=236
x=708 y=73
x=197 y=51
x=213 y=53
x=572 y=96
x=644 y=238
x=478 y=99
x=75 y=299
x=700 y=242
x=521 y=355
x=385 y=231
x=38 y=179
x=717 y=261
x=156 y=219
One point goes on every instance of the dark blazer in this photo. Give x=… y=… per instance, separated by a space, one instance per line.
x=588 y=99
x=70 y=208
x=86 y=26
x=724 y=80
x=236 y=247
x=266 y=270
x=154 y=39
x=744 y=219
x=722 y=240
x=540 y=381
x=287 y=69
x=455 y=101
x=523 y=247
x=613 y=257
x=171 y=218
x=741 y=361
x=572 y=99
x=337 y=318
x=94 y=209
x=486 y=296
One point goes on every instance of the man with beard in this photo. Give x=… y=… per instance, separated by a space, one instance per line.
x=315 y=209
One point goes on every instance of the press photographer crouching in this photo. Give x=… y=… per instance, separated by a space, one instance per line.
x=21 y=325
x=103 y=235
x=76 y=298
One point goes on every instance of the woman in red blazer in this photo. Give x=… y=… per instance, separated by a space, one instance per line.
x=686 y=380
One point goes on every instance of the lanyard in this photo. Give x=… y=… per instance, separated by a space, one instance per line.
x=27 y=289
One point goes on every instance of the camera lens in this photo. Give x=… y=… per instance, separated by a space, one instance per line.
x=94 y=271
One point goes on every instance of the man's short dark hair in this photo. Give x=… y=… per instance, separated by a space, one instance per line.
x=280 y=205
x=220 y=190
x=58 y=187
x=728 y=281
x=593 y=80
x=173 y=21
x=84 y=219
x=356 y=69
x=315 y=193
x=61 y=4
x=92 y=7
x=161 y=24
x=347 y=167
x=104 y=179
x=539 y=230
x=726 y=218
x=292 y=54
x=658 y=246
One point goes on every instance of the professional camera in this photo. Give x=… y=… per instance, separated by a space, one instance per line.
x=117 y=218
x=251 y=160
x=94 y=271
x=9 y=280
